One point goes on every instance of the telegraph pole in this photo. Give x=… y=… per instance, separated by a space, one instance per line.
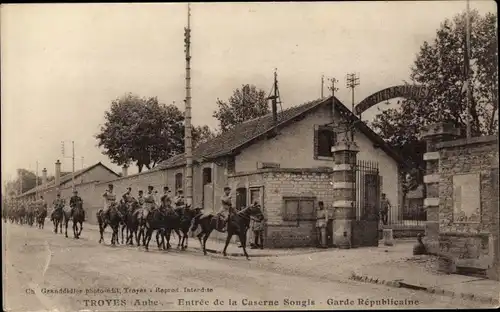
x=322 y=84
x=187 y=113
x=333 y=89
x=36 y=181
x=352 y=82
x=73 y=159
x=467 y=70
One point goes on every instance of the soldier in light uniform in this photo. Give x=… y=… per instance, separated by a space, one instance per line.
x=226 y=208
x=109 y=199
x=127 y=197
x=149 y=201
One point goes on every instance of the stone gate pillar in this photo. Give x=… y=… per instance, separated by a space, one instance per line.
x=433 y=134
x=344 y=190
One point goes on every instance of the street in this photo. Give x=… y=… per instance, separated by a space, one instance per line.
x=45 y=271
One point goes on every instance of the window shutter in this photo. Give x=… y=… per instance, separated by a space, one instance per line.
x=307 y=211
x=291 y=208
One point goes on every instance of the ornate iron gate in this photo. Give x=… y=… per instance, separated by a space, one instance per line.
x=368 y=192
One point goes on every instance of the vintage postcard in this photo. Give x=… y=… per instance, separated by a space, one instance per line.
x=250 y=156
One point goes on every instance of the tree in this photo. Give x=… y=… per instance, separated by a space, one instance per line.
x=245 y=103
x=26 y=178
x=141 y=130
x=440 y=67
x=202 y=134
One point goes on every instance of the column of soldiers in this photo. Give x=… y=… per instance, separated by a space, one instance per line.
x=147 y=202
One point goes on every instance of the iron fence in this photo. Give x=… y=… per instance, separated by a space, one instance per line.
x=405 y=216
x=368 y=186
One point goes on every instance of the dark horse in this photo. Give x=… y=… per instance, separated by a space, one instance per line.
x=41 y=214
x=181 y=220
x=113 y=219
x=78 y=216
x=131 y=222
x=238 y=224
x=57 y=218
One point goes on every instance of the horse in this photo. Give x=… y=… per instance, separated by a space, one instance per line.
x=57 y=218
x=30 y=215
x=238 y=224
x=131 y=221
x=181 y=220
x=112 y=219
x=123 y=209
x=155 y=221
x=41 y=214
x=78 y=216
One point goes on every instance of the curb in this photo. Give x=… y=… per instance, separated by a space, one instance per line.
x=432 y=290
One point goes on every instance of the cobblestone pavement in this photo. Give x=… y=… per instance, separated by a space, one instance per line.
x=38 y=263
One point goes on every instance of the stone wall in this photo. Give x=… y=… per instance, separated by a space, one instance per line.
x=475 y=238
x=278 y=184
x=462 y=180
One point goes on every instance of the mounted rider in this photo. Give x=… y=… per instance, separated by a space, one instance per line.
x=149 y=201
x=109 y=200
x=127 y=196
x=140 y=198
x=75 y=200
x=179 y=201
x=58 y=204
x=166 y=195
x=226 y=209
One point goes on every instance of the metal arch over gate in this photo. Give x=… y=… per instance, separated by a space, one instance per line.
x=404 y=91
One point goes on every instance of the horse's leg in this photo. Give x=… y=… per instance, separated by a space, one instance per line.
x=81 y=228
x=158 y=233
x=243 y=241
x=123 y=228
x=228 y=239
x=75 y=229
x=147 y=238
x=179 y=236
x=205 y=238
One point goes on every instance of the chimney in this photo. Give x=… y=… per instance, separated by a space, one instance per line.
x=58 y=173
x=44 y=176
x=124 y=171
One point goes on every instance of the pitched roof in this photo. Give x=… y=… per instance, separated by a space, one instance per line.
x=66 y=178
x=247 y=132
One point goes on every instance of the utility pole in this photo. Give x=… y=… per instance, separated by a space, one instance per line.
x=352 y=81
x=467 y=70
x=333 y=89
x=36 y=181
x=322 y=84
x=72 y=159
x=82 y=162
x=187 y=113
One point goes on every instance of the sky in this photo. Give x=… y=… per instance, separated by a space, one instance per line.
x=63 y=64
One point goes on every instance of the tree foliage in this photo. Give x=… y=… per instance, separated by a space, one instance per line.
x=26 y=178
x=440 y=67
x=202 y=134
x=246 y=103
x=141 y=130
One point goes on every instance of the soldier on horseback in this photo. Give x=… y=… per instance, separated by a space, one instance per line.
x=226 y=208
x=74 y=200
x=109 y=199
x=166 y=195
x=127 y=197
x=179 y=201
x=149 y=201
x=58 y=205
x=140 y=198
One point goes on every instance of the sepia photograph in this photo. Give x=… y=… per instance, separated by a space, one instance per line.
x=177 y=156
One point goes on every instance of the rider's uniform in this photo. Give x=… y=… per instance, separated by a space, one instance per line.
x=140 y=200
x=109 y=200
x=73 y=201
x=58 y=205
x=149 y=203
x=127 y=197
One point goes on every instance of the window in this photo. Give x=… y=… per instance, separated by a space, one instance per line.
x=255 y=196
x=299 y=209
x=324 y=139
x=178 y=181
x=207 y=175
x=241 y=198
